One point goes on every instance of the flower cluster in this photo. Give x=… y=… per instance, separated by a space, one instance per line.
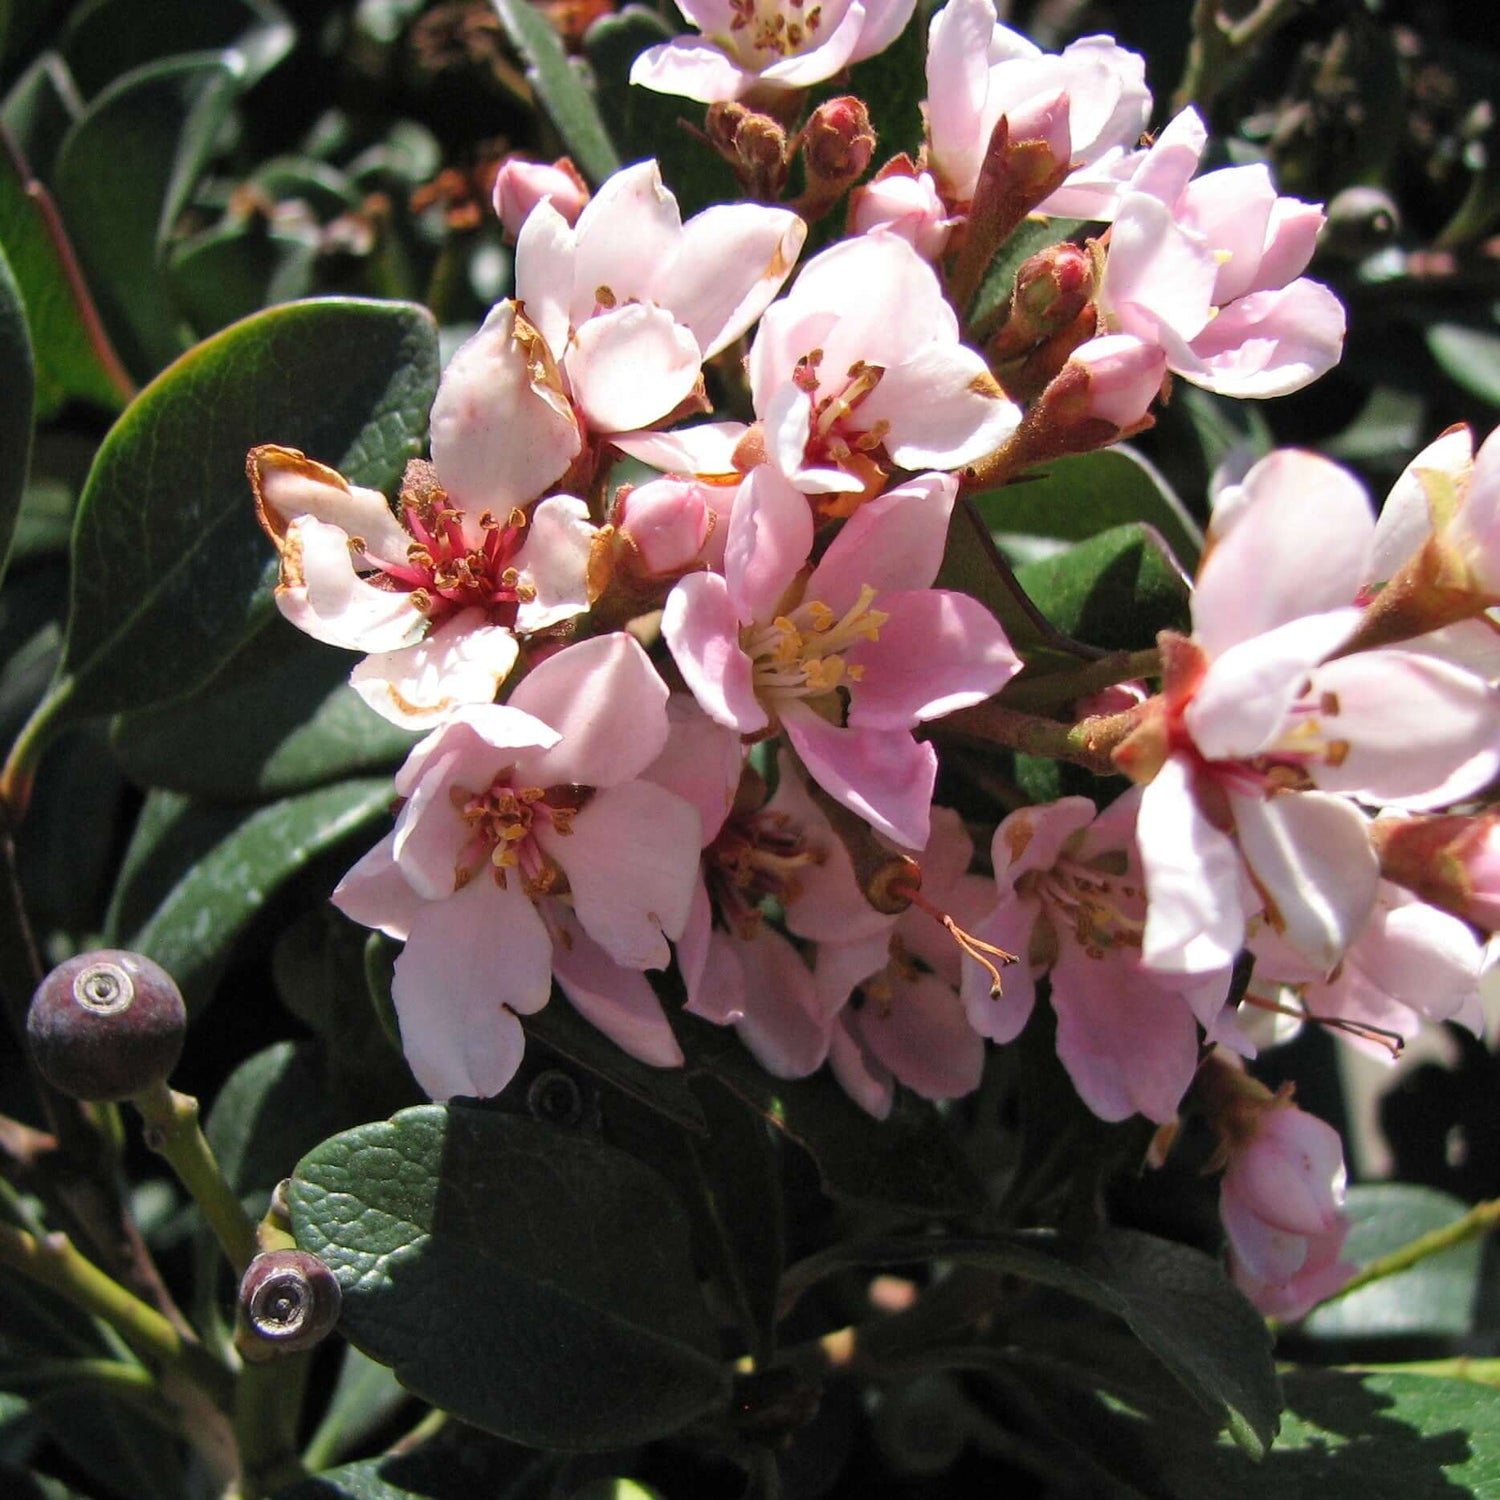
x=723 y=686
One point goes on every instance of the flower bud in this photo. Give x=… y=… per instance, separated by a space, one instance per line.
x=289 y=1301
x=905 y=202
x=1124 y=377
x=1053 y=287
x=752 y=143
x=666 y=525
x=837 y=144
x=106 y=1025
x=522 y=184
x=1449 y=860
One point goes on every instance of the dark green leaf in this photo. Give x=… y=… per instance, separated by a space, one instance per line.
x=460 y=1464
x=1031 y=236
x=280 y=718
x=1351 y=1436
x=909 y=1160
x=1438 y=1295
x=169 y=563
x=74 y=356
x=42 y=106
x=17 y=407
x=1470 y=357
x=365 y=1397
x=124 y=172
x=191 y=933
x=647 y=123
x=106 y=38
x=171 y=834
x=44 y=526
x=530 y=1280
x=1177 y=1302
x=1073 y=498
x=226 y=273
x=560 y=89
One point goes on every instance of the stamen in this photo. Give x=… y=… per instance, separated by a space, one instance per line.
x=1392 y=1041
x=980 y=951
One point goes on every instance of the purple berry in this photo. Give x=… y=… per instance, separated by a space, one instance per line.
x=290 y=1301
x=106 y=1025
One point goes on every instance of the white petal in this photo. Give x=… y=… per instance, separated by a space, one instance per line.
x=463 y=661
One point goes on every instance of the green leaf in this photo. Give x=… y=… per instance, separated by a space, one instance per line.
x=169 y=562
x=193 y=930
x=1352 y=1436
x=1437 y=1296
x=1177 y=1301
x=1031 y=236
x=647 y=123
x=106 y=38
x=1073 y=498
x=560 y=89
x=532 y=1281
x=17 y=408
x=124 y=173
x=73 y=353
x=908 y=1160
x=42 y=106
x=1468 y=356
x=365 y=1397
x=226 y=273
x=281 y=717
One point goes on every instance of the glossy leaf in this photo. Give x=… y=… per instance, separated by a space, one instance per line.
x=1437 y=1296
x=106 y=38
x=226 y=273
x=41 y=107
x=909 y=1160
x=17 y=408
x=1468 y=356
x=1177 y=1302
x=560 y=88
x=74 y=356
x=1073 y=498
x=166 y=547
x=1352 y=1436
x=532 y=1281
x=193 y=930
x=123 y=174
x=280 y=718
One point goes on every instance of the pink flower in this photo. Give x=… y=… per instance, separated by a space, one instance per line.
x=632 y=300
x=1124 y=377
x=893 y=982
x=436 y=596
x=903 y=202
x=1072 y=905
x=1280 y=1201
x=767 y=46
x=1254 y=750
x=1208 y=269
x=979 y=71
x=768 y=645
x=671 y=525
x=521 y=185
x=863 y=357
x=520 y=821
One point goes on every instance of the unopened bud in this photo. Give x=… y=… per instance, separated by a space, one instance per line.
x=522 y=184
x=752 y=143
x=838 y=142
x=106 y=1025
x=1361 y=220
x=1124 y=377
x=1052 y=288
x=289 y=1301
x=665 y=526
x=904 y=202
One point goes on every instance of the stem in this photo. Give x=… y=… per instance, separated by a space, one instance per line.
x=267 y=1412
x=132 y=1383
x=172 y=1129
x=18 y=775
x=1063 y=687
x=54 y=1262
x=1219 y=43
x=1479 y=1220
x=1088 y=743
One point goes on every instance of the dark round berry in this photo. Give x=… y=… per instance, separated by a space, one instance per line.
x=106 y=1025
x=290 y=1300
x=1361 y=220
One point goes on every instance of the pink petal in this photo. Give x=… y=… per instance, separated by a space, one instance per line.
x=493 y=388
x=895 y=541
x=716 y=989
x=375 y=893
x=629 y=238
x=944 y=408
x=922 y=1035
x=734 y=259
x=1032 y=838
x=938 y=652
x=1269 y=343
x=885 y=20
x=770 y=535
x=608 y=704
x=544 y=275
x=292 y=487
x=324 y=596
x=632 y=865
x=883 y=775
x=1406 y=519
x=706 y=450
x=1003 y=1017
x=631 y=366
x=1370 y=701
x=957 y=85
x=470 y=963
x=691 y=68
x=463 y=661
x=702 y=763
x=860 y=1076
x=1310 y=853
x=702 y=630
x=1158 y=274
x=1195 y=918
x=801 y=70
x=1302 y=530
x=781 y=1026
x=553 y=561
x=619 y=1002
